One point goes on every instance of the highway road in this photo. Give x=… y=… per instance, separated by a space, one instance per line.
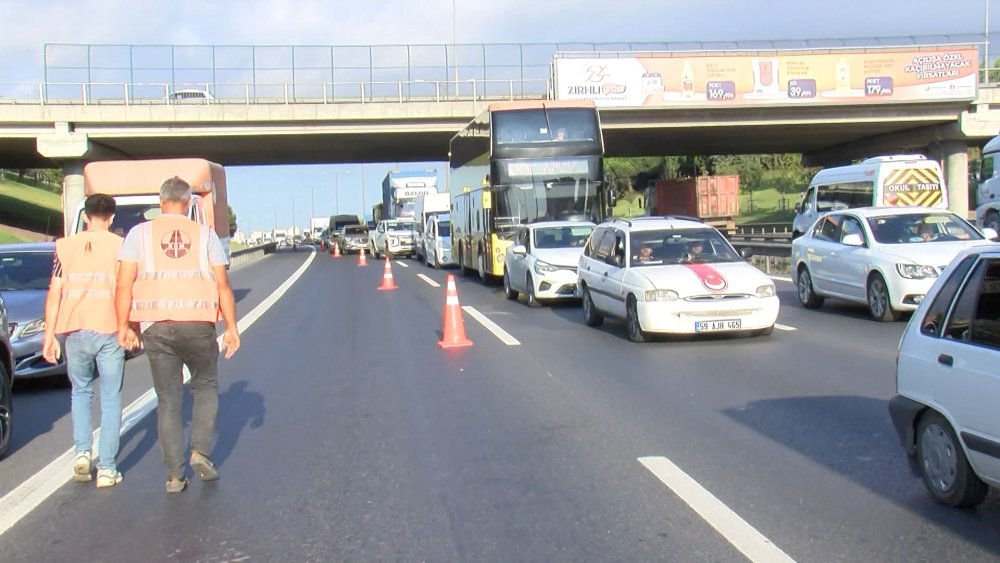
x=347 y=434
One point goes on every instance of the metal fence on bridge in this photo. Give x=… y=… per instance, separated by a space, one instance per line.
x=153 y=74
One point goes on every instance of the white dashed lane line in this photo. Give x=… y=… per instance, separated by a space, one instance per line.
x=786 y=328
x=733 y=528
x=778 y=278
x=491 y=326
x=429 y=281
x=403 y=264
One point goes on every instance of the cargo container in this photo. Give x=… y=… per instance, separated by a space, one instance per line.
x=713 y=199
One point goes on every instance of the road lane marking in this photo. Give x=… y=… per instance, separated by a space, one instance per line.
x=403 y=264
x=784 y=327
x=735 y=529
x=429 y=281
x=19 y=502
x=779 y=278
x=491 y=326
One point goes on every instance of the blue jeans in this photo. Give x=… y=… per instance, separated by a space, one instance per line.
x=84 y=348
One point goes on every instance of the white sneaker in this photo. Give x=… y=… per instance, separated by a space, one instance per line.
x=82 y=467
x=108 y=478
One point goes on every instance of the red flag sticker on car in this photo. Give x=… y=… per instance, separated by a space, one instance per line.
x=710 y=278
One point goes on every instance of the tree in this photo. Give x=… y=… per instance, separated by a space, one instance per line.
x=232 y=220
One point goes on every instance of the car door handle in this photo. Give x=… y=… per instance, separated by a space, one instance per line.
x=946 y=360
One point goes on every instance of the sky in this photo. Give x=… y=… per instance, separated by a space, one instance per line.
x=396 y=22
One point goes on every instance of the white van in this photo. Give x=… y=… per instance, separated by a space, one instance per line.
x=889 y=181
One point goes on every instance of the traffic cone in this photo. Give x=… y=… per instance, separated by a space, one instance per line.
x=453 y=335
x=362 y=261
x=336 y=251
x=388 y=283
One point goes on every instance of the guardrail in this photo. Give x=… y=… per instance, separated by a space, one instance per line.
x=251 y=254
x=771 y=244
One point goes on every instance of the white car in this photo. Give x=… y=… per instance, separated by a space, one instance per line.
x=543 y=259
x=884 y=257
x=672 y=276
x=947 y=383
x=437 y=242
x=391 y=236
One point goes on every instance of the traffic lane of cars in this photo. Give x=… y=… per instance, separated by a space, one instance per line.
x=803 y=416
x=43 y=429
x=385 y=452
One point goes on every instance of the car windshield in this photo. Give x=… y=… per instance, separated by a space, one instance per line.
x=680 y=246
x=562 y=237
x=355 y=230
x=921 y=228
x=25 y=270
x=398 y=226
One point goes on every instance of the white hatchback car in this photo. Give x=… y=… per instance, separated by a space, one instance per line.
x=542 y=261
x=885 y=257
x=947 y=382
x=672 y=276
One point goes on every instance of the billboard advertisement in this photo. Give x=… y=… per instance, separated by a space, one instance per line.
x=691 y=79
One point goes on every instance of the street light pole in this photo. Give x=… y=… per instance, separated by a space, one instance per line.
x=363 y=208
x=336 y=194
x=454 y=42
x=986 y=48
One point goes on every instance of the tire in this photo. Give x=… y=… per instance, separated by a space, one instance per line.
x=437 y=263
x=481 y=266
x=590 y=315
x=879 y=304
x=6 y=410
x=507 y=290
x=807 y=296
x=632 y=324
x=992 y=221
x=943 y=466
x=373 y=251
x=529 y=284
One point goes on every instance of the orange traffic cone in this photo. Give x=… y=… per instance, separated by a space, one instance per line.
x=453 y=335
x=388 y=283
x=336 y=251
x=362 y=261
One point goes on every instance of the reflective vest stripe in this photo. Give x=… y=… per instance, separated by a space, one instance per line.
x=87 y=293
x=178 y=275
x=89 y=277
x=174 y=304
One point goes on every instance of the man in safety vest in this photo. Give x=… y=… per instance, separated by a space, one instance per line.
x=172 y=281
x=81 y=305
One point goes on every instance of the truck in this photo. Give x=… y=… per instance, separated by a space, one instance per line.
x=400 y=190
x=135 y=186
x=988 y=192
x=712 y=199
x=316 y=227
x=424 y=207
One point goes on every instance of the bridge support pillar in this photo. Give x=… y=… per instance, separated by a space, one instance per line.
x=73 y=191
x=955 y=158
x=69 y=148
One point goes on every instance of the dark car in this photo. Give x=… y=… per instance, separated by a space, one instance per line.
x=353 y=238
x=6 y=382
x=25 y=271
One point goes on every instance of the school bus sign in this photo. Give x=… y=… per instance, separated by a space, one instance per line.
x=829 y=77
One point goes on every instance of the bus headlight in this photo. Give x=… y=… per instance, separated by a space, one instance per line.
x=661 y=295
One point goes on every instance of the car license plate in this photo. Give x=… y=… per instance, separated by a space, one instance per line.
x=713 y=326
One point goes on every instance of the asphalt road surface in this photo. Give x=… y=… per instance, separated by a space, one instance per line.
x=346 y=434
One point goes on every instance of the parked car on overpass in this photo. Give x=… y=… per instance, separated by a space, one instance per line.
x=884 y=257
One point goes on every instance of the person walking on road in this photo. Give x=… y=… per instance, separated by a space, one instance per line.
x=81 y=306
x=172 y=280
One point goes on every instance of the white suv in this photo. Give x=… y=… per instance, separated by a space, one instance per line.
x=672 y=275
x=391 y=236
x=947 y=383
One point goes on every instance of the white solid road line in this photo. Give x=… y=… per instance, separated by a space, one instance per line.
x=429 y=281
x=491 y=326
x=784 y=327
x=19 y=502
x=403 y=264
x=735 y=529
x=778 y=278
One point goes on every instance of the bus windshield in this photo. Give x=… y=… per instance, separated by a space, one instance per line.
x=525 y=201
x=545 y=125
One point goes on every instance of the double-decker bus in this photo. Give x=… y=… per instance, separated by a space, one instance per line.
x=520 y=162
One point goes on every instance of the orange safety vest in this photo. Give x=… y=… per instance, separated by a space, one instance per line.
x=89 y=273
x=174 y=281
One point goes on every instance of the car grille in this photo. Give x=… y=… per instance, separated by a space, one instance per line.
x=716 y=298
x=11 y=327
x=719 y=314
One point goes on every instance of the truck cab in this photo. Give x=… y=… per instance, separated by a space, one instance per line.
x=988 y=194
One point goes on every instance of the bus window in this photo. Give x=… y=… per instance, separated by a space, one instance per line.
x=545 y=125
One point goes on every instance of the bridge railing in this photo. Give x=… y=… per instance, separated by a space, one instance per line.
x=121 y=93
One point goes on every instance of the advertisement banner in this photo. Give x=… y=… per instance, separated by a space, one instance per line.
x=687 y=79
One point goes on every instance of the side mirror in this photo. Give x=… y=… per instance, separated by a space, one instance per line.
x=746 y=253
x=520 y=250
x=853 y=239
x=612 y=199
x=990 y=234
x=798 y=207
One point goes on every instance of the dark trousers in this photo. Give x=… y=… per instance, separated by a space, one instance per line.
x=170 y=345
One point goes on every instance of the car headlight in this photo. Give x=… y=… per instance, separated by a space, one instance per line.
x=544 y=267
x=915 y=272
x=393 y=241
x=765 y=290
x=33 y=328
x=661 y=295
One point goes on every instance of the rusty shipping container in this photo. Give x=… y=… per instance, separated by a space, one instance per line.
x=704 y=197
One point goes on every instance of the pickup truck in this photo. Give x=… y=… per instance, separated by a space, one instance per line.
x=393 y=237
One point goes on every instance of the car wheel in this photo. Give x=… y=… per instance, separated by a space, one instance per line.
x=943 y=466
x=437 y=263
x=6 y=410
x=481 y=266
x=508 y=291
x=634 y=327
x=807 y=296
x=530 y=286
x=590 y=315
x=878 y=300
x=992 y=221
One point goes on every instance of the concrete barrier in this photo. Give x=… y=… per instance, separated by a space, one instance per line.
x=247 y=255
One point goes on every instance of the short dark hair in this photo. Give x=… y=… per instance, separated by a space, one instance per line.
x=99 y=206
